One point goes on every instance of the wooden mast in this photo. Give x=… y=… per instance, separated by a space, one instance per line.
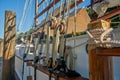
x=9 y=46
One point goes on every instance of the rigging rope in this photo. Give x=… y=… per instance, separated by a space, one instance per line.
x=51 y=59
x=64 y=9
x=68 y=13
x=75 y=31
x=60 y=7
x=75 y=21
x=45 y=25
x=63 y=24
x=47 y=14
x=22 y=16
x=40 y=38
x=26 y=51
x=28 y=11
x=53 y=7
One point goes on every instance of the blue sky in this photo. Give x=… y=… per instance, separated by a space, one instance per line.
x=17 y=6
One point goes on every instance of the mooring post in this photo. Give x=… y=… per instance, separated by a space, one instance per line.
x=1 y=49
x=9 y=46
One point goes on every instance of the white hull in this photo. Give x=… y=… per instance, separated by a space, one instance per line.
x=81 y=64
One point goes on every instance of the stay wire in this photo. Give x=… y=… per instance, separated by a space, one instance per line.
x=64 y=9
x=28 y=11
x=22 y=16
x=75 y=24
x=50 y=69
x=26 y=51
x=42 y=32
x=46 y=15
x=60 y=8
x=53 y=7
x=68 y=13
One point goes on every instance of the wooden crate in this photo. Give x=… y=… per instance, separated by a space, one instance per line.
x=99 y=24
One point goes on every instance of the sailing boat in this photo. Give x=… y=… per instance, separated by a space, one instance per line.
x=75 y=45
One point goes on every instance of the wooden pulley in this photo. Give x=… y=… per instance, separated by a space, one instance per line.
x=53 y=22
x=62 y=27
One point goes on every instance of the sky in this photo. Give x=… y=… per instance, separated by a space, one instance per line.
x=17 y=7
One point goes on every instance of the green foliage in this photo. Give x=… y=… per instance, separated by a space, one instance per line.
x=24 y=35
x=21 y=35
x=30 y=31
x=80 y=33
x=1 y=40
x=77 y=34
x=91 y=13
x=110 y=9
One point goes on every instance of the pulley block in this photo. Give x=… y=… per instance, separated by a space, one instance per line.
x=53 y=22
x=62 y=27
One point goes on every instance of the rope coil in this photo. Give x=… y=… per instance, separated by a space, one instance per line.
x=104 y=38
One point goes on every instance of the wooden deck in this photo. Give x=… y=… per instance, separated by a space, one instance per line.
x=62 y=75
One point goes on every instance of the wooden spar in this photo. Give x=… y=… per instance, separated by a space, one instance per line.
x=47 y=8
x=9 y=46
x=71 y=6
x=109 y=15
